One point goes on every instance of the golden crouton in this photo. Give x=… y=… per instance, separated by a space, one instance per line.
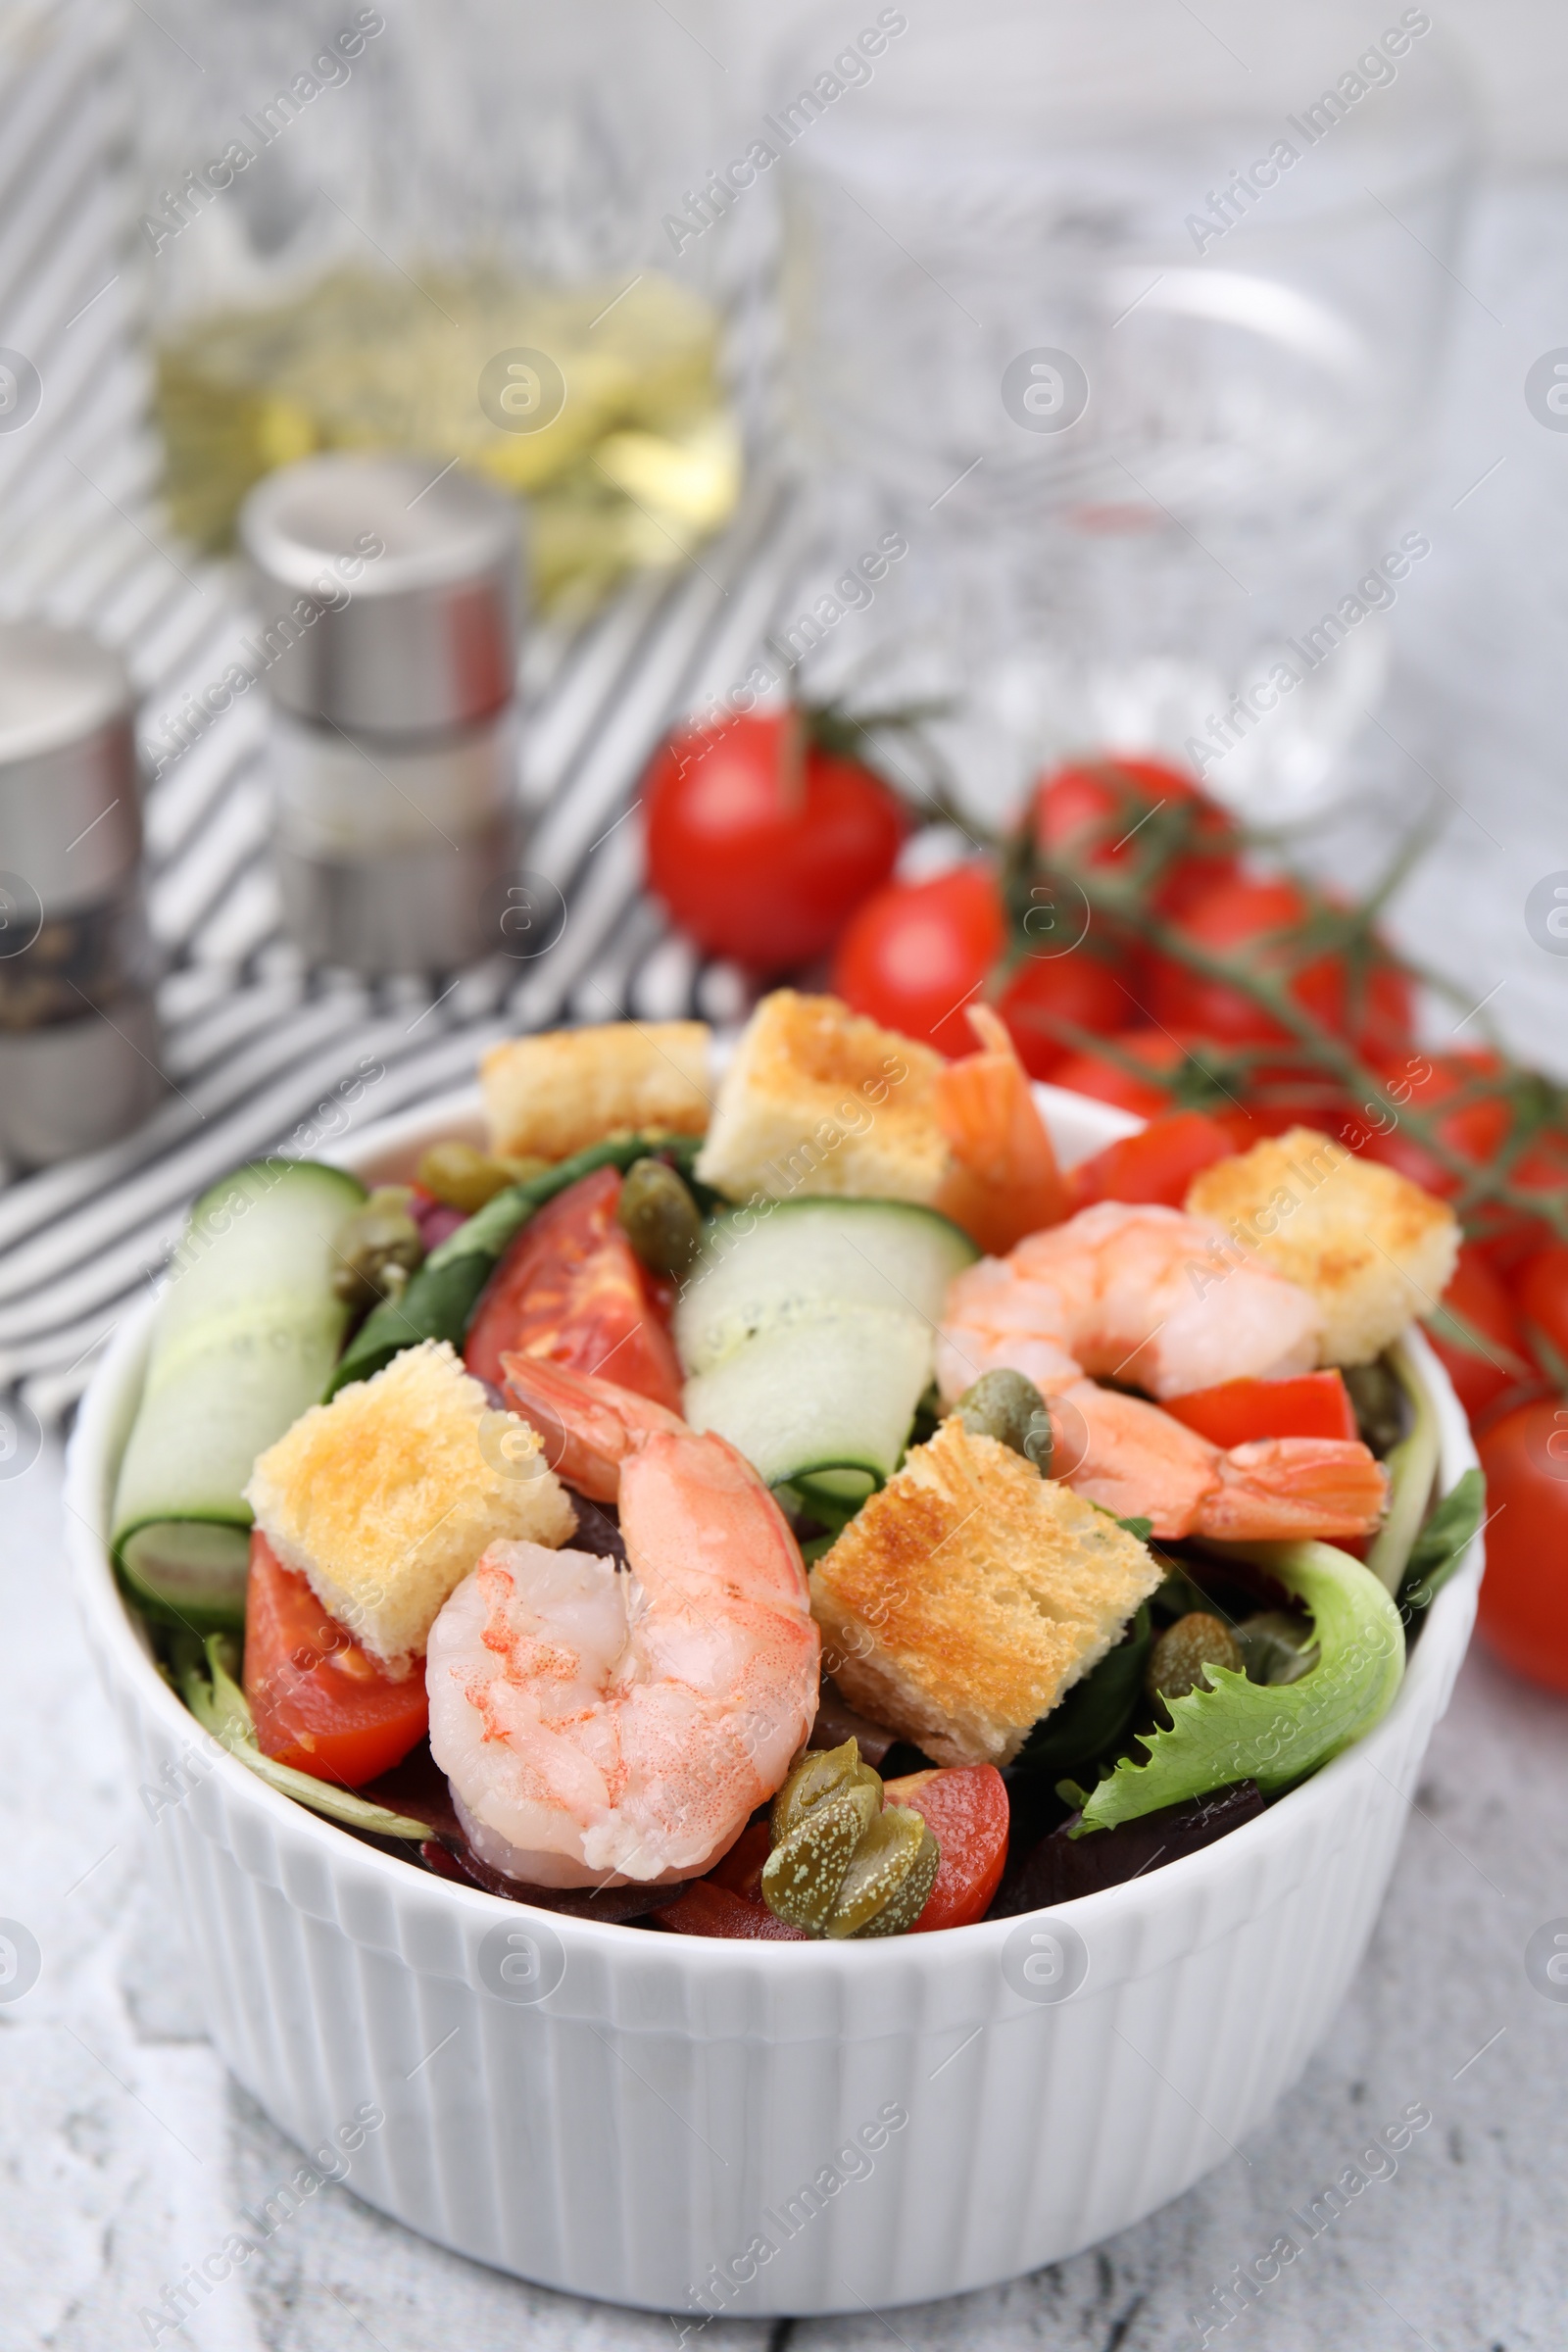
x=386 y=1498
x=551 y=1095
x=818 y=1100
x=1372 y=1248
x=969 y=1594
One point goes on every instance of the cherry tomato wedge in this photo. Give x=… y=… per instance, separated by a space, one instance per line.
x=966 y=1808
x=1156 y=1164
x=321 y=1703
x=916 y=955
x=1524 y=1596
x=1310 y=1405
x=571 y=1288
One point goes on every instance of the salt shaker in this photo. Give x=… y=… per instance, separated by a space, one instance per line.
x=388 y=593
x=78 y=1034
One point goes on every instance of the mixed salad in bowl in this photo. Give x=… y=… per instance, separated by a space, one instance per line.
x=792 y=1506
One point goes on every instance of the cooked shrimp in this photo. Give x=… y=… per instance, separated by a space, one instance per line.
x=1164 y=1303
x=1144 y=1295
x=1006 y=1181
x=1125 y=1453
x=599 y=1727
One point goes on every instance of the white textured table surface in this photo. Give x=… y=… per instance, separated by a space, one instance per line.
x=127 y=2153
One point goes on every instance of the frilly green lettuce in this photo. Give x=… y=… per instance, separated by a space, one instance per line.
x=1273 y=1733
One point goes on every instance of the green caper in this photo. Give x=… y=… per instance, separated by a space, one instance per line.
x=887 y=1886
x=801 y=1878
x=1178 y=1658
x=459 y=1177
x=821 y=1776
x=376 y=1248
x=1006 y=1406
x=842 y=1863
x=661 y=1219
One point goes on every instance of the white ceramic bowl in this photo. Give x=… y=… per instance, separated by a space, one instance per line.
x=753 y=2127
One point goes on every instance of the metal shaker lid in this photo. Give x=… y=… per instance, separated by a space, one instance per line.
x=70 y=817
x=388 y=590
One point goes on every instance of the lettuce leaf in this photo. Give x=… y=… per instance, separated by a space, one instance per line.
x=1444 y=1540
x=1274 y=1734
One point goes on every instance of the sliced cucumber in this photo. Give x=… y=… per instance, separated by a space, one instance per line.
x=757 y=1272
x=810 y=1401
x=248 y=1329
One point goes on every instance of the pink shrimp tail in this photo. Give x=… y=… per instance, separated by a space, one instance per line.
x=1006 y=1182
x=1124 y=1453
x=588 y=1426
x=1284 y=1487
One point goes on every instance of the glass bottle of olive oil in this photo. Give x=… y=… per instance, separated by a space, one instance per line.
x=444 y=227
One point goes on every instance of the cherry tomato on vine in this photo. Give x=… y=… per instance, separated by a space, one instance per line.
x=1475 y=1127
x=1241 y=920
x=1080 y=988
x=1540 y=1293
x=1094 y=812
x=918 y=953
x=1524 y=1594
x=1104 y=1078
x=1510 y=1235
x=761 y=845
x=1175 y=1066
x=1156 y=1164
x=1480 y=1376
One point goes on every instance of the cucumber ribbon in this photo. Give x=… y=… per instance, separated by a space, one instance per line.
x=1412 y=1468
x=439 y=1300
x=221 y=1710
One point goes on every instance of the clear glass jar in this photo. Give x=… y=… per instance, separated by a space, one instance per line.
x=1126 y=319
x=442 y=226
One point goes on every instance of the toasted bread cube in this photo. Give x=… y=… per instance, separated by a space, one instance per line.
x=968 y=1596
x=1373 y=1248
x=553 y=1094
x=386 y=1498
x=819 y=1100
